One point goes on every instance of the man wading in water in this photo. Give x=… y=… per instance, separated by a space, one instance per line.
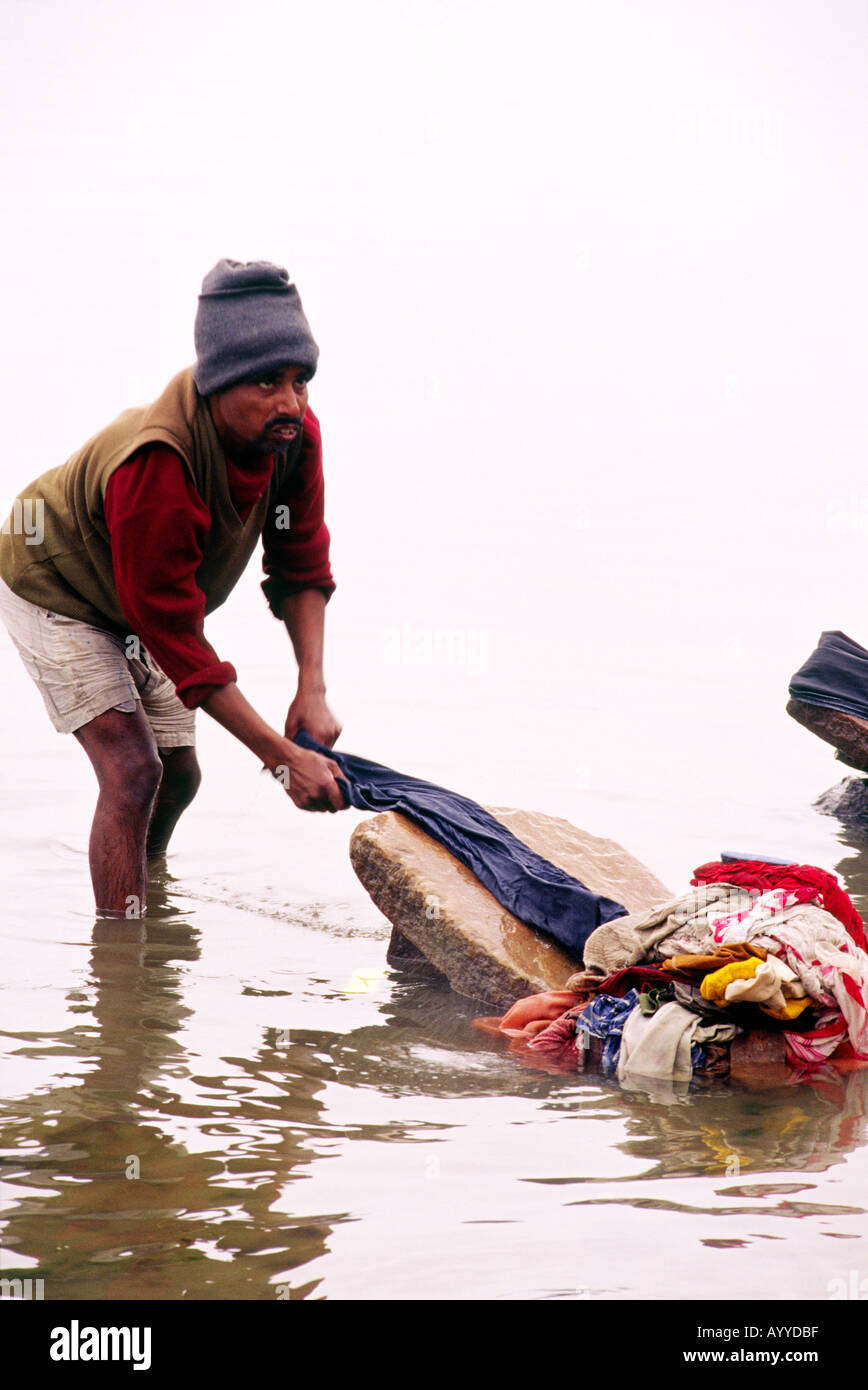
x=147 y=528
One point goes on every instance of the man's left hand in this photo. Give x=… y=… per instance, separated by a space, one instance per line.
x=309 y=711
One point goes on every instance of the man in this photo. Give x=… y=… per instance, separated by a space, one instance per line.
x=147 y=528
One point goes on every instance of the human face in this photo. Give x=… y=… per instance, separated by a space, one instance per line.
x=263 y=415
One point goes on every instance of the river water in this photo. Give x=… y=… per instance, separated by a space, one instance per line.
x=589 y=284
x=237 y=1098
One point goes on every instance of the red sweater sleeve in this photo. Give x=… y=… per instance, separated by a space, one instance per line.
x=158 y=523
x=296 y=555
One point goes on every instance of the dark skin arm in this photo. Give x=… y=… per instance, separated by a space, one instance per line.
x=304 y=615
x=308 y=777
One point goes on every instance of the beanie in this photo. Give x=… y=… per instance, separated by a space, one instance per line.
x=249 y=321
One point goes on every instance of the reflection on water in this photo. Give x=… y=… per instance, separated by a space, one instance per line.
x=378 y=1145
x=115 y=1203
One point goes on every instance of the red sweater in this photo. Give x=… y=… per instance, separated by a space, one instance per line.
x=158 y=525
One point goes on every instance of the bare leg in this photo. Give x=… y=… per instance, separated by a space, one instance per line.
x=181 y=778
x=124 y=756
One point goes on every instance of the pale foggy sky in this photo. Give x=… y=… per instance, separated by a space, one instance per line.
x=588 y=280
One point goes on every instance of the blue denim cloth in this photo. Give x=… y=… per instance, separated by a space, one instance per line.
x=535 y=891
x=604 y=1018
x=834 y=676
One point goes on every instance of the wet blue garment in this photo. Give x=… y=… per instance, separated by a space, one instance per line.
x=835 y=676
x=604 y=1018
x=535 y=891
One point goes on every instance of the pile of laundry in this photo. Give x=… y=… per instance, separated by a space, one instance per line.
x=663 y=994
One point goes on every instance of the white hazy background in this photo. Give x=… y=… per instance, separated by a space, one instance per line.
x=589 y=285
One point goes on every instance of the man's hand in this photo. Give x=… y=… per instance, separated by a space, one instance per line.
x=309 y=711
x=309 y=779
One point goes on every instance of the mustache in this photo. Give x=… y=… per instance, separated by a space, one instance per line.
x=277 y=421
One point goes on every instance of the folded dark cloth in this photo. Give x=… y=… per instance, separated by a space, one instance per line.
x=534 y=890
x=835 y=676
x=716 y=1060
x=747 y=1016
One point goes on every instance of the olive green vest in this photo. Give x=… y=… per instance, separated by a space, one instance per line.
x=69 y=570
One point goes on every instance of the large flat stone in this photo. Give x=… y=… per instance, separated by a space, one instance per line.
x=440 y=907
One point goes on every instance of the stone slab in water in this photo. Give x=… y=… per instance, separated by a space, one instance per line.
x=440 y=907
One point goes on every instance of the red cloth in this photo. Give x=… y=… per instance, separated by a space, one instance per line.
x=528 y=1012
x=805 y=880
x=558 y=1041
x=158 y=525
x=634 y=977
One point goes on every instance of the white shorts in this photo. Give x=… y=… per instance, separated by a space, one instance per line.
x=82 y=671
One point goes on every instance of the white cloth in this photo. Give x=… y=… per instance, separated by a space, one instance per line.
x=626 y=940
x=773 y=984
x=659 y=1044
x=810 y=940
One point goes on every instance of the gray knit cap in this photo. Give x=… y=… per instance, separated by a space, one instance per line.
x=249 y=320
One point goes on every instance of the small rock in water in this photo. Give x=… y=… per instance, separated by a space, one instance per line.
x=848 y=800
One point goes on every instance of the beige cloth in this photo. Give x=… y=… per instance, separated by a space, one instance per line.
x=627 y=940
x=81 y=671
x=659 y=1045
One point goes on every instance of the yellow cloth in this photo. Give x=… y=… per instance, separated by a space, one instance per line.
x=713 y=987
x=769 y=983
x=791 y=1009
